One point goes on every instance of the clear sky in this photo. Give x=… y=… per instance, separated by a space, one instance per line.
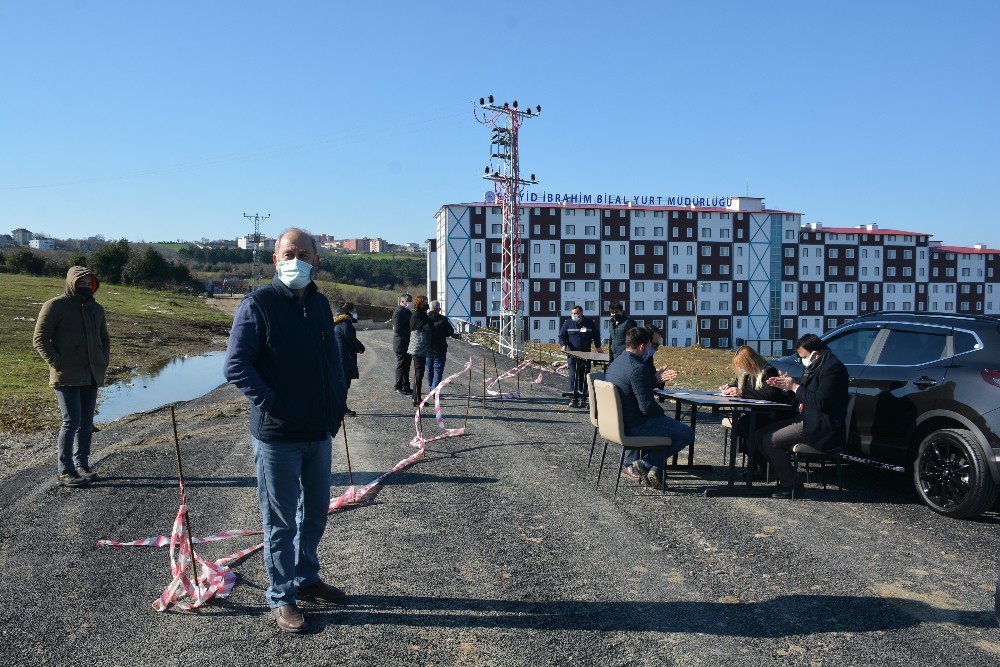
x=159 y=120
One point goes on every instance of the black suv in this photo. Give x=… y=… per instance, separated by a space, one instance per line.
x=925 y=397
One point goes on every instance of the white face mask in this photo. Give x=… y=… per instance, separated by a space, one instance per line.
x=294 y=273
x=807 y=361
x=577 y=318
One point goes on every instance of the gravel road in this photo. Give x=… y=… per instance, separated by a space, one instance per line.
x=495 y=549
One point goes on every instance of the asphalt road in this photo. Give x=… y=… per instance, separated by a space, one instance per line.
x=495 y=549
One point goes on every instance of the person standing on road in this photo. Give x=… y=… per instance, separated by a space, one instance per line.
x=400 y=342
x=420 y=343
x=578 y=334
x=350 y=346
x=441 y=331
x=641 y=414
x=283 y=355
x=71 y=335
x=823 y=394
x=620 y=325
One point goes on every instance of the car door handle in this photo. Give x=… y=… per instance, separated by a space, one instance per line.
x=924 y=383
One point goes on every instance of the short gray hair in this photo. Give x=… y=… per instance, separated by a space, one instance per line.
x=436 y=306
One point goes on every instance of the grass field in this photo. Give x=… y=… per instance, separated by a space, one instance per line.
x=146 y=327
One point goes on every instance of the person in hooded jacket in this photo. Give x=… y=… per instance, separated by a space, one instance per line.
x=71 y=335
x=823 y=394
x=350 y=346
x=620 y=324
x=441 y=331
x=420 y=343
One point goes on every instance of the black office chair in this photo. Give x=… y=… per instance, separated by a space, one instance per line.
x=807 y=454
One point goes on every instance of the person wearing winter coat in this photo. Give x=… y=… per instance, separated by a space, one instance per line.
x=620 y=324
x=441 y=331
x=420 y=343
x=350 y=346
x=400 y=343
x=71 y=335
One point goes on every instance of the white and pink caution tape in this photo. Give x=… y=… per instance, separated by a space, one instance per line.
x=419 y=439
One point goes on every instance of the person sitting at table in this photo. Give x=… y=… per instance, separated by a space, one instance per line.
x=663 y=375
x=641 y=414
x=823 y=395
x=578 y=334
x=752 y=373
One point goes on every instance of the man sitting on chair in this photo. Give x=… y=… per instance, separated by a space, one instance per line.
x=641 y=414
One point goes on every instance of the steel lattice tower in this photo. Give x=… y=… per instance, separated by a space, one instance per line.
x=505 y=171
x=258 y=272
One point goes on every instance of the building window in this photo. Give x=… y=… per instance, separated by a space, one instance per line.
x=570 y=267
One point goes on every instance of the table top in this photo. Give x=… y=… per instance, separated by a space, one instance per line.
x=590 y=356
x=716 y=398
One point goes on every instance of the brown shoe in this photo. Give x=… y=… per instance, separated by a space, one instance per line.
x=320 y=592
x=289 y=618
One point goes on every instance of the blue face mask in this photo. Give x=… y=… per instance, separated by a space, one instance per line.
x=294 y=273
x=649 y=354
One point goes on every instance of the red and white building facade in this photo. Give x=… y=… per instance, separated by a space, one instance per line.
x=717 y=271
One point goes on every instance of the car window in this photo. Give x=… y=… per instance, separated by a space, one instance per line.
x=852 y=346
x=911 y=348
x=966 y=341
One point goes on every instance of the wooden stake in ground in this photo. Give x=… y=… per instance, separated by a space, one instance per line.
x=350 y=473
x=484 y=385
x=187 y=514
x=468 y=398
x=496 y=369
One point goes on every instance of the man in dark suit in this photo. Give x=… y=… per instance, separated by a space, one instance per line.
x=400 y=341
x=823 y=394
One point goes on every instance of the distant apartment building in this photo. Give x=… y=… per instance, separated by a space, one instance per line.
x=364 y=244
x=715 y=272
x=42 y=244
x=21 y=236
x=247 y=242
x=413 y=247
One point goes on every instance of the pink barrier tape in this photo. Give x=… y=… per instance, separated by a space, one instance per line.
x=419 y=440
x=162 y=540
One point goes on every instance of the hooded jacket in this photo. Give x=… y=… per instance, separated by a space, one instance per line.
x=350 y=346
x=283 y=355
x=441 y=331
x=71 y=335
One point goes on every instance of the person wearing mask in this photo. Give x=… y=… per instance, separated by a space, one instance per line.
x=661 y=376
x=441 y=331
x=822 y=395
x=578 y=334
x=642 y=415
x=752 y=373
x=420 y=343
x=71 y=335
x=350 y=346
x=401 y=341
x=283 y=356
x=620 y=325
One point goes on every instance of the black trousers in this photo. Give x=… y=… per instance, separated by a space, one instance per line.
x=402 y=371
x=419 y=365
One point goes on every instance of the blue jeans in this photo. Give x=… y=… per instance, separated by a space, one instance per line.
x=293 y=487
x=77 y=406
x=435 y=369
x=681 y=434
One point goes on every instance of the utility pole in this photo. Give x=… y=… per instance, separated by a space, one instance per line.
x=505 y=171
x=257 y=274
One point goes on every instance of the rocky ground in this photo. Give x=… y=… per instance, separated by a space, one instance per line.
x=495 y=549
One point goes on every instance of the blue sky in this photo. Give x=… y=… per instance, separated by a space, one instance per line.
x=165 y=120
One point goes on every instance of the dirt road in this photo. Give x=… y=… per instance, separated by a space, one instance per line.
x=495 y=549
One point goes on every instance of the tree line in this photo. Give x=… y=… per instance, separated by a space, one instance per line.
x=117 y=263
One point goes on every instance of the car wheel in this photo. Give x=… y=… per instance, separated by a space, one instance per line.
x=951 y=476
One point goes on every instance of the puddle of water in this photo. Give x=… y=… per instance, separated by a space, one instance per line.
x=178 y=379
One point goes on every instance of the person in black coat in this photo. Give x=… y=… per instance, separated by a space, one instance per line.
x=350 y=346
x=620 y=324
x=400 y=341
x=441 y=331
x=823 y=394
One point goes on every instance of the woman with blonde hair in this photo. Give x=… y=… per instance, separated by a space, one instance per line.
x=752 y=371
